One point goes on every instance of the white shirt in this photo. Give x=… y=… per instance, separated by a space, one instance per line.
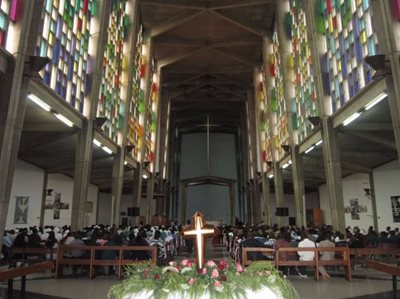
x=306 y=255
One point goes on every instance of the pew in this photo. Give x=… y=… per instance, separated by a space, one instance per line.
x=91 y=261
x=12 y=273
x=342 y=259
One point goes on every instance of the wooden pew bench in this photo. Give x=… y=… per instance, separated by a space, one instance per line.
x=12 y=273
x=342 y=259
x=361 y=255
x=90 y=260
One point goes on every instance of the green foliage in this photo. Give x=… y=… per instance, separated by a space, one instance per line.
x=221 y=281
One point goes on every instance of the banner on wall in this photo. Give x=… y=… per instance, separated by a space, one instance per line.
x=395 y=208
x=53 y=202
x=21 y=210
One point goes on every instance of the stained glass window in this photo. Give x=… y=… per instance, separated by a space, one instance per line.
x=112 y=102
x=350 y=37
x=265 y=124
x=64 y=38
x=277 y=99
x=137 y=105
x=9 y=12
x=151 y=129
x=305 y=102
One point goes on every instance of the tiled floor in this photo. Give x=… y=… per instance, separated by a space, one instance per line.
x=334 y=288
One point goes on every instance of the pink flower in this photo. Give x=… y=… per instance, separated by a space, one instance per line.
x=184 y=262
x=217 y=283
x=211 y=264
x=214 y=273
x=191 y=281
x=239 y=268
x=156 y=276
x=204 y=271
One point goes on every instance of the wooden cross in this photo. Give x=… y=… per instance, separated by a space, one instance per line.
x=199 y=231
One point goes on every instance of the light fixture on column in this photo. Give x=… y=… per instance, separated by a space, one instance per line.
x=49 y=192
x=33 y=65
x=286 y=148
x=380 y=64
x=129 y=148
x=315 y=121
x=98 y=122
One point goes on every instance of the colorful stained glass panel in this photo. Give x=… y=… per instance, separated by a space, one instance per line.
x=64 y=38
x=350 y=37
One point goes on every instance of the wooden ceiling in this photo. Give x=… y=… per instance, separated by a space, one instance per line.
x=207 y=50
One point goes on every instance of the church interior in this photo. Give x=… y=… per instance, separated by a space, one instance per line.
x=126 y=113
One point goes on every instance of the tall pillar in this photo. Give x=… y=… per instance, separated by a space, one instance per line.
x=389 y=44
x=14 y=90
x=232 y=202
x=297 y=169
x=298 y=185
x=119 y=158
x=373 y=201
x=149 y=197
x=267 y=199
x=44 y=193
x=279 y=196
x=83 y=154
x=330 y=146
x=137 y=197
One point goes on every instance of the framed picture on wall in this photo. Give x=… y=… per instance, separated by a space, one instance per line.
x=21 y=210
x=395 y=200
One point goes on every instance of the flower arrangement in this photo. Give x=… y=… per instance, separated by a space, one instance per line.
x=221 y=279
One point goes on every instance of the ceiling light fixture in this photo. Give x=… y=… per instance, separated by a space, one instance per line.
x=375 y=101
x=39 y=102
x=64 y=119
x=351 y=118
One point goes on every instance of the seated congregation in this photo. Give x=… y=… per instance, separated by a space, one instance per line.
x=29 y=245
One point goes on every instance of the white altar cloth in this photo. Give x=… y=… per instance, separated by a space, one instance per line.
x=262 y=293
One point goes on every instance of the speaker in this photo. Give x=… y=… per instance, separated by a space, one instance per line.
x=133 y=211
x=282 y=211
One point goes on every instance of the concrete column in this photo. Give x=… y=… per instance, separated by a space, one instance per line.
x=14 y=89
x=373 y=201
x=279 y=196
x=289 y=93
x=183 y=189
x=83 y=155
x=44 y=193
x=388 y=37
x=232 y=202
x=138 y=195
x=298 y=185
x=266 y=194
x=330 y=146
x=149 y=197
x=119 y=158
x=255 y=153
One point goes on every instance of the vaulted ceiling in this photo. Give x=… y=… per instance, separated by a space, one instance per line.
x=207 y=50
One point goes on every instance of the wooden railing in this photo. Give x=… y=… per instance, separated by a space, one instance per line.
x=341 y=259
x=12 y=273
x=90 y=259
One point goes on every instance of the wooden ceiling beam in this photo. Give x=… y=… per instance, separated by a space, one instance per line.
x=177 y=57
x=189 y=4
x=174 y=22
x=41 y=141
x=231 y=80
x=172 y=84
x=370 y=126
x=355 y=167
x=239 y=3
x=236 y=57
x=240 y=21
x=373 y=138
x=163 y=40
